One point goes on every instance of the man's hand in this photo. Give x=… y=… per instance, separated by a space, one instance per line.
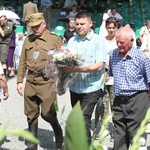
x=20 y=88
x=6 y=95
x=71 y=69
x=2 y=32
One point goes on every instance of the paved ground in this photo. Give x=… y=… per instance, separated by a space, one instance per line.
x=12 y=111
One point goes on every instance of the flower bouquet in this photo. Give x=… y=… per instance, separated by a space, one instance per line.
x=57 y=59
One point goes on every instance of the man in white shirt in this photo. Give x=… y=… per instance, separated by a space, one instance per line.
x=3 y=84
x=69 y=3
x=117 y=15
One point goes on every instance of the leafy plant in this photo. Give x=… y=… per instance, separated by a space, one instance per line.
x=103 y=133
x=76 y=139
x=137 y=140
x=17 y=132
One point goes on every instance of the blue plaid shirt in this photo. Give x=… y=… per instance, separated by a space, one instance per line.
x=93 y=48
x=131 y=74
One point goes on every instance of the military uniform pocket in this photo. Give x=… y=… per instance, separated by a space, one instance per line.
x=29 y=52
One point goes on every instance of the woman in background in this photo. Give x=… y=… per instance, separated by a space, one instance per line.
x=104 y=108
x=111 y=27
x=10 y=64
x=103 y=32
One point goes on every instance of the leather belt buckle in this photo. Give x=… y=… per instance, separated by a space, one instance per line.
x=35 y=74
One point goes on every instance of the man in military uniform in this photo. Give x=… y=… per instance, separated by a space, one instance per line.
x=39 y=91
x=5 y=36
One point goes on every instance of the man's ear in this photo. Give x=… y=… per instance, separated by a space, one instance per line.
x=44 y=24
x=91 y=23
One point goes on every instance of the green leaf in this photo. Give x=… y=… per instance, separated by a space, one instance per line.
x=55 y=106
x=3 y=131
x=143 y=127
x=75 y=137
x=24 y=134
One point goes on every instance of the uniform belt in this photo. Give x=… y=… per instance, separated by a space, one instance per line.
x=122 y=97
x=35 y=73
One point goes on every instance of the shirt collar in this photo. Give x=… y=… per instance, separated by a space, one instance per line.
x=130 y=53
x=44 y=37
x=88 y=37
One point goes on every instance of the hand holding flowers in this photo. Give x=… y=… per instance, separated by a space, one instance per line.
x=60 y=65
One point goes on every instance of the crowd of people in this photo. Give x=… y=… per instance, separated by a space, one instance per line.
x=116 y=73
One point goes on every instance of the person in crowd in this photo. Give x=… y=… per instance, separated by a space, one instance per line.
x=60 y=3
x=103 y=32
x=145 y=38
x=71 y=31
x=107 y=101
x=82 y=6
x=28 y=9
x=33 y=57
x=46 y=10
x=114 y=13
x=88 y=84
x=130 y=69
x=3 y=85
x=20 y=37
x=9 y=62
x=69 y=3
x=73 y=12
x=5 y=37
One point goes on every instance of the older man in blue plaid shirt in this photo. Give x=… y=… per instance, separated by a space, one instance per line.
x=88 y=84
x=131 y=71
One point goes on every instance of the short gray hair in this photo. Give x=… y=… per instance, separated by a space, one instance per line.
x=126 y=31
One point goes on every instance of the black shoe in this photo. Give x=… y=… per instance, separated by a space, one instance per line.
x=58 y=134
x=59 y=138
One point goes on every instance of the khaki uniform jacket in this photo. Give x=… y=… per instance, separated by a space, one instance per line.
x=28 y=9
x=31 y=44
x=7 y=33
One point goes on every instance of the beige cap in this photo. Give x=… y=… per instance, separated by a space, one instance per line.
x=35 y=19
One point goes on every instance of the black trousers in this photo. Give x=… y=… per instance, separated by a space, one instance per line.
x=128 y=115
x=88 y=102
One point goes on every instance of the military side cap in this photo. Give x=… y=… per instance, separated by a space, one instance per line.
x=35 y=19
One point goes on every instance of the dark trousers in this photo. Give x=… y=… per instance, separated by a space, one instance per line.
x=47 y=16
x=128 y=115
x=87 y=102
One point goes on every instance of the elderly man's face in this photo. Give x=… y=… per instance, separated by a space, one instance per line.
x=39 y=29
x=3 y=21
x=124 y=44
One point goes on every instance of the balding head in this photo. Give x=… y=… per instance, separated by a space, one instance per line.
x=126 y=32
x=124 y=38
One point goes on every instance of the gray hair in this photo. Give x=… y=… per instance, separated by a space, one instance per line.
x=125 y=31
